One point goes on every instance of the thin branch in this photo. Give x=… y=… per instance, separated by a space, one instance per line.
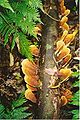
x=60 y=83
x=50 y=16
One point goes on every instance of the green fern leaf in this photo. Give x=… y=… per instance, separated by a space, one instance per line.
x=23 y=19
x=35 y=3
x=5 y=30
x=5 y=4
x=75 y=74
x=75 y=99
x=7 y=36
x=13 y=41
x=24 y=46
x=76 y=84
x=20 y=101
x=75 y=114
x=2 y=25
x=19 y=113
x=2 y=108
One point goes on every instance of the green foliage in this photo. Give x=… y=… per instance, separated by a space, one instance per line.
x=5 y=4
x=75 y=99
x=75 y=114
x=75 y=74
x=24 y=46
x=17 y=111
x=76 y=84
x=20 y=23
x=2 y=108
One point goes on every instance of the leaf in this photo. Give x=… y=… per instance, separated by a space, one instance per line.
x=76 y=84
x=5 y=30
x=13 y=41
x=35 y=3
x=24 y=46
x=1 y=108
x=17 y=111
x=75 y=74
x=20 y=101
x=7 y=36
x=75 y=99
x=75 y=114
x=21 y=115
x=5 y=4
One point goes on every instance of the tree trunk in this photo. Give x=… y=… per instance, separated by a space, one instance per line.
x=49 y=99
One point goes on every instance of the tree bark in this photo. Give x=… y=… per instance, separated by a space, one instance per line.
x=49 y=99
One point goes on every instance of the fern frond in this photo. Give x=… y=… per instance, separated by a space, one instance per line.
x=23 y=21
x=2 y=108
x=35 y=3
x=6 y=38
x=5 y=4
x=75 y=99
x=75 y=74
x=13 y=41
x=75 y=114
x=24 y=46
x=20 y=101
x=76 y=84
x=5 y=30
x=17 y=111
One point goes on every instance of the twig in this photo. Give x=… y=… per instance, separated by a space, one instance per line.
x=50 y=16
x=57 y=86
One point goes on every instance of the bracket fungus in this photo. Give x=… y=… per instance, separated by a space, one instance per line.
x=65 y=73
x=30 y=69
x=30 y=96
x=34 y=50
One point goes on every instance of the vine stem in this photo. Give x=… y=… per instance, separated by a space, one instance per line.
x=50 y=16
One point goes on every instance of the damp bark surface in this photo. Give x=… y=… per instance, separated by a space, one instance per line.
x=49 y=108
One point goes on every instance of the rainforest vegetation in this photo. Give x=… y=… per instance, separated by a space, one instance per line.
x=39 y=59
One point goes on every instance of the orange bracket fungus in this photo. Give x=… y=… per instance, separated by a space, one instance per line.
x=65 y=73
x=30 y=69
x=66 y=59
x=63 y=20
x=66 y=97
x=30 y=95
x=65 y=26
x=63 y=53
x=66 y=13
x=34 y=50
